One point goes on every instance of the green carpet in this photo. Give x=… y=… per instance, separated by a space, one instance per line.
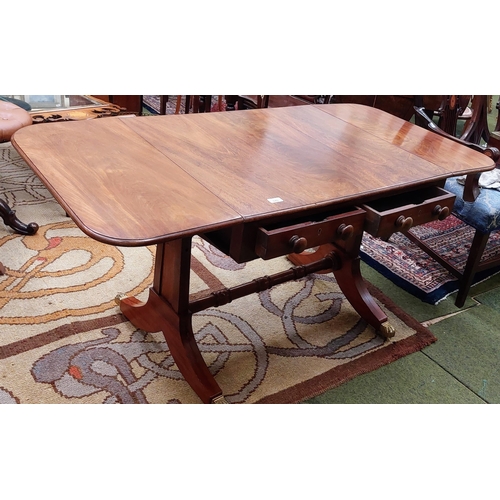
x=417 y=380
x=489 y=293
x=461 y=367
x=469 y=347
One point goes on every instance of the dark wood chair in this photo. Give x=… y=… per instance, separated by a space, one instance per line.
x=203 y=104
x=273 y=101
x=246 y=102
x=477 y=207
x=494 y=139
x=163 y=104
x=12 y=118
x=193 y=104
x=199 y=103
x=476 y=125
x=465 y=117
x=401 y=106
x=453 y=111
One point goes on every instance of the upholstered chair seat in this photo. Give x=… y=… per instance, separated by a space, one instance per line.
x=482 y=214
x=12 y=118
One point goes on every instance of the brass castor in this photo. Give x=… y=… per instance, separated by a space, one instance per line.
x=387 y=330
x=219 y=400
x=119 y=297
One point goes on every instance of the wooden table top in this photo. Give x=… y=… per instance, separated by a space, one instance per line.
x=141 y=180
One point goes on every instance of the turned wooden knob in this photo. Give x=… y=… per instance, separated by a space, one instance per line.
x=298 y=244
x=441 y=212
x=344 y=231
x=403 y=223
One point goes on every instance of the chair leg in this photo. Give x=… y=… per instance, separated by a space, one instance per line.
x=196 y=103
x=475 y=254
x=207 y=103
x=9 y=218
x=163 y=104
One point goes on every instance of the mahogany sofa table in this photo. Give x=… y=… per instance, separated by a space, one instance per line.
x=256 y=184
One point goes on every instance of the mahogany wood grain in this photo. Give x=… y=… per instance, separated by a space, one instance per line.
x=167 y=310
x=117 y=188
x=439 y=152
x=248 y=158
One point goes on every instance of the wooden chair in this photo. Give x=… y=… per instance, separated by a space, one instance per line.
x=476 y=127
x=193 y=103
x=397 y=105
x=452 y=109
x=494 y=139
x=163 y=104
x=473 y=111
x=199 y=103
x=447 y=110
x=477 y=207
x=12 y=118
x=246 y=101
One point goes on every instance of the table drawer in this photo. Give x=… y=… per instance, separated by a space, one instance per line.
x=274 y=241
x=399 y=213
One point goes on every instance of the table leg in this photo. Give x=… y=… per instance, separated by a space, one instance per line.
x=167 y=310
x=350 y=281
x=354 y=288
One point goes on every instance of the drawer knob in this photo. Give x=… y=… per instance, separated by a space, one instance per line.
x=344 y=231
x=403 y=223
x=298 y=244
x=441 y=212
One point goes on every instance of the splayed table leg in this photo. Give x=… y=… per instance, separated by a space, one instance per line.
x=350 y=281
x=167 y=310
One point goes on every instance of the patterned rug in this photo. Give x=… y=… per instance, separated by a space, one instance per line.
x=63 y=339
x=406 y=265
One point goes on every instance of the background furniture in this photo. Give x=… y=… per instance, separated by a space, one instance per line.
x=477 y=129
x=471 y=110
x=13 y=118
x=272 y=101
x=129 y=103
x=479 y=208
x=194 y=103
x=246 y=102
x=198 y=103
x=52 y=108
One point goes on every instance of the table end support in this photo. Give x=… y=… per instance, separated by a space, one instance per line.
x=351 y=283
x=157 y=315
